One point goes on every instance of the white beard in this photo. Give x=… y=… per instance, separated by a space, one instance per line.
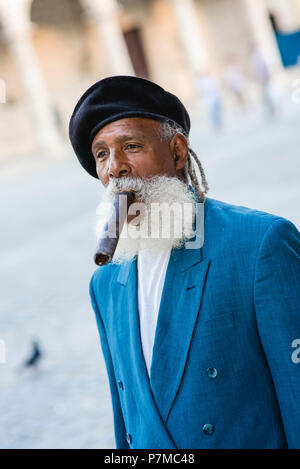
x=148 y=231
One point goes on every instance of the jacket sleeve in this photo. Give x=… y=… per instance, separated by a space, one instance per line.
x=277 y=305
x=119 y=427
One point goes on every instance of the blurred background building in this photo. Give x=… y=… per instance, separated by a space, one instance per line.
x=52 y=50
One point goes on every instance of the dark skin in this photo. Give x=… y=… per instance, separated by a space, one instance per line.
x=132 y=147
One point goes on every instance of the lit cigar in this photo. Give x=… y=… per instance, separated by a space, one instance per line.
x=117 y=216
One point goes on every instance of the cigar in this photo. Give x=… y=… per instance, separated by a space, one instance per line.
x=108 y=241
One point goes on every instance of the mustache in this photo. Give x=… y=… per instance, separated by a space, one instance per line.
x=142 y=187
x=126 y=183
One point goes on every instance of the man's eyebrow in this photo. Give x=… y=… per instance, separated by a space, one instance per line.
x=120 y=138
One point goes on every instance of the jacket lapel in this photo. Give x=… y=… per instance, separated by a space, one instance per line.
x=179 y=307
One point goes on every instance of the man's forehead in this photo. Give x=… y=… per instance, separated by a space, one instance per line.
x=123 y=129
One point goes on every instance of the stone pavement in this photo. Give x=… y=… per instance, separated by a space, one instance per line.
x=47 y=244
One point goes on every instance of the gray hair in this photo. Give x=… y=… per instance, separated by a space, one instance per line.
x=167 y=130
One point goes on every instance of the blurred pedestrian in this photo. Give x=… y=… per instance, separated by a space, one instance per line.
x=235 y=81
x=262 y=75
x=209 y=87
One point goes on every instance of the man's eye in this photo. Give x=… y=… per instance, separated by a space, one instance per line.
x=132 y=146
x=101 y=154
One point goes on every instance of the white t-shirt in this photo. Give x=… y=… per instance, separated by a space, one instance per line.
x=151 y=278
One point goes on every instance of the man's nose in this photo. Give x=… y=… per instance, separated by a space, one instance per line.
x=118 y=166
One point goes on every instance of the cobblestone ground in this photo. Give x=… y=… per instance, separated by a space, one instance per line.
x=47 y=244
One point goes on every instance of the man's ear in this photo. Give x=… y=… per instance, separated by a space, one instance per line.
x=180 y=151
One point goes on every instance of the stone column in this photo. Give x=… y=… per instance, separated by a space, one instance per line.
x=263 y=35
x=104 y=14
x=17 y=28
x=192 y=37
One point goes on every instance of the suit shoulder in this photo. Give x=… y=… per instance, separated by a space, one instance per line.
x=240 y=228
x=282 y=233
x=239 y=216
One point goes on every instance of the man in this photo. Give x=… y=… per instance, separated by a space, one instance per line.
x=201 y=344
x=262 y=75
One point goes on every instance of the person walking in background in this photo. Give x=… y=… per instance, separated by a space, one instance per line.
x=236 y=82
x=262 y=75
x=209 y=88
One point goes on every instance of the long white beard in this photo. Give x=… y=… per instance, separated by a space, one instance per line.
x=165 y=222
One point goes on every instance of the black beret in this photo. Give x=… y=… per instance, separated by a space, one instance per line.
x=115 y=98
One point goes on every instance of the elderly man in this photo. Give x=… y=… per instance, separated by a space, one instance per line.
x=201 y=343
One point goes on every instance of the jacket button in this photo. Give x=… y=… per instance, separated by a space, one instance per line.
x=212 y=372
x=208 y=429
x=120 y=384
x=128 y=438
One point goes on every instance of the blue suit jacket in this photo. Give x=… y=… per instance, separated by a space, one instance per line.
x=225 y=371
